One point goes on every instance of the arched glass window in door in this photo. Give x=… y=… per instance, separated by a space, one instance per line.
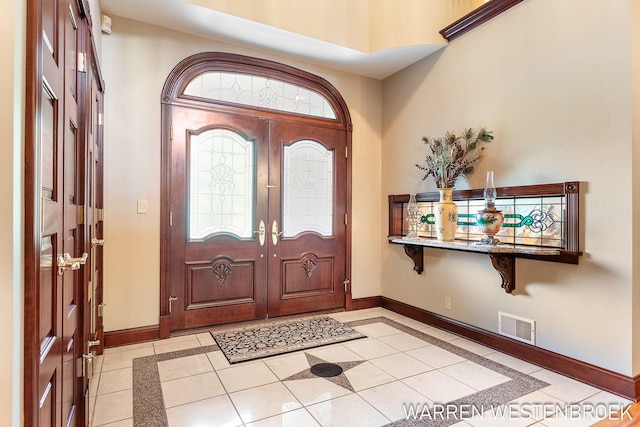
x=308 y=181
x=259 y=91
x=221 y=184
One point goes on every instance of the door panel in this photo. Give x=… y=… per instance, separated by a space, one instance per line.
x=54 y=221
x=257 y=212
x=91 y=339
x=308 y=166
x=72 y=227
x=50 y=189
x=218 y=198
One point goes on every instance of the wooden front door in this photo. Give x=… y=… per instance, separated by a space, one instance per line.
x=255 y=192
x=257 y=218
x=307 y=214
x=218 y=198
x=57 y=247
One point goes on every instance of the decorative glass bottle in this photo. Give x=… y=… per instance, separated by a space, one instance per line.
x=413 y=217
x=489 y=219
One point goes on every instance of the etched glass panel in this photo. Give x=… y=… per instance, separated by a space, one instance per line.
x=307 y=189
x=221 y=184
x=259 y=91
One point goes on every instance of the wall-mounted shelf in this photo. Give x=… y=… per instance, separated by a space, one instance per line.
x=554 y=206
x=503 y=257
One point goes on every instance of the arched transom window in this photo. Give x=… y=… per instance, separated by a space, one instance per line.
x=259 y=91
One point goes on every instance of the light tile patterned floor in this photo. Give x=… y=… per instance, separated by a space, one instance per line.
x=393 y=367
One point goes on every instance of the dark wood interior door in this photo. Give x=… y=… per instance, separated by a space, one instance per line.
x=217 y=218
x=60 y=185
x=307 y=214
x=93 y=329
x=56 y=193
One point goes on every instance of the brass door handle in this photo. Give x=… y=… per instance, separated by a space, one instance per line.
x=97 y=242
x=261 y=232
x=275 y=233
x=65 y=262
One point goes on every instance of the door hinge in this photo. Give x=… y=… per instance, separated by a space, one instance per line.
x=171 y=132
x=346 y=152
x=101 y=309
x=346 y=285
x=100 y=119
x=82 y=62
x=84 y=365
x=100 y=214
x=80 y=214
x=346 y=219
x=171 y=219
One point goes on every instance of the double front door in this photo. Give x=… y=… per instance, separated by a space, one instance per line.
x=257 y=217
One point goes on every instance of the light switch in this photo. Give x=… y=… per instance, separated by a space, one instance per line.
x=142 y=206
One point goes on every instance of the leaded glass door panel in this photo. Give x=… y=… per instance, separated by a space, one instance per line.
x=219 y=206
x=307 y=172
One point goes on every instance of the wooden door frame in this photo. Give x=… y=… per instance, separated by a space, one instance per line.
x=172 y=94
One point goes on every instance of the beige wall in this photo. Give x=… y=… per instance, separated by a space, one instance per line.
x=635 y=73
x=12 y=30
x=96 y=21
x=136 y=60
x=363 y=25
x=553 y=80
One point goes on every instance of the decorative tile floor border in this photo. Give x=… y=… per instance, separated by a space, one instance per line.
x=520 y=385
x=149 y=409
x=148 y=403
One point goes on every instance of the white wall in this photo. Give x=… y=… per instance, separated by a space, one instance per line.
x=136 y=60
x=12 y=51
x=552 y=79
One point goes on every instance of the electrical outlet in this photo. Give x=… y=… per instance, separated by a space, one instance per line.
x=447 y=303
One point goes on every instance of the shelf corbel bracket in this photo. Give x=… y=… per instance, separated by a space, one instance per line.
x=506 y=266
x=416 y=253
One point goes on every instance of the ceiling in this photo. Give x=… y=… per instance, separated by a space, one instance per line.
x=186 y=17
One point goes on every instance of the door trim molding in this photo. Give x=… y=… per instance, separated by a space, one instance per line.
x=179 y=78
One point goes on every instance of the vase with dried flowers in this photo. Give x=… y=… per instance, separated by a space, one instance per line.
x=451 y=156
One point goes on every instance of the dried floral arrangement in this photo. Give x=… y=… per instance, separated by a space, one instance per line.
x=452 y=156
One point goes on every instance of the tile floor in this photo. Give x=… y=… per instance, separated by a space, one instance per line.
x=385 y=372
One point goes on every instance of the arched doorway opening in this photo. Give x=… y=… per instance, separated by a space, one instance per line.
x=255 y=192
